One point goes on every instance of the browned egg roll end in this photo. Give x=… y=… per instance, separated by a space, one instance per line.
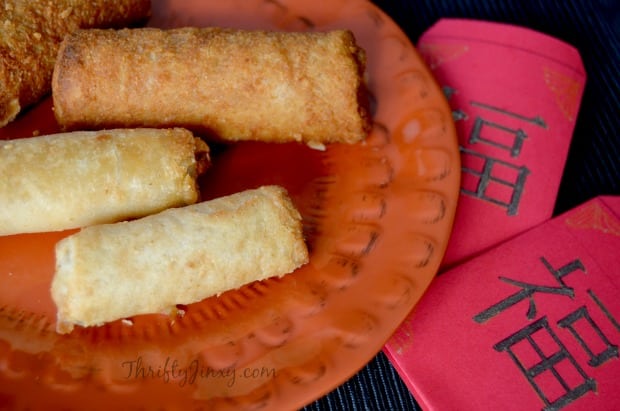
x=30 y=32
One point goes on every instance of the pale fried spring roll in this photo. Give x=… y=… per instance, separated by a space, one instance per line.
x=71 y=180
x=232 y=84
x=179 y=256
x=30 y=33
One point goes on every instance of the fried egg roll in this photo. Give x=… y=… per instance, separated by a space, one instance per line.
x=179 y=256
x=30 y=33
x=231 y=84
x=70 y=180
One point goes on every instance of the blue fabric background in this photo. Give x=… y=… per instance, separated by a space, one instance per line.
x=593 y=165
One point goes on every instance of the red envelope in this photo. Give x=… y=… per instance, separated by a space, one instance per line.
x=532 y=324
x=515 y=94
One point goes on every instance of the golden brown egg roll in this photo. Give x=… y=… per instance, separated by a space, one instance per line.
x=231 y=84
x=179 y=256
x=30 y=33
x=70 y=180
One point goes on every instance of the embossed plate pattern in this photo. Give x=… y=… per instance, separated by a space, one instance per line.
x=377 y=217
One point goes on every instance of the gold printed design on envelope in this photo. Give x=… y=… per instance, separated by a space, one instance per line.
x=404 y=337
x=566 y=91
x=594 y=217
x=436 y=54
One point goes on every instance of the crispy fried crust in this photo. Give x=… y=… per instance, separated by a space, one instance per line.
x=233 y=84
x=70 y=180
x=179 y=256
x=30 y=33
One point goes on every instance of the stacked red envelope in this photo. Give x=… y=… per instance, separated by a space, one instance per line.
x=524 y=314
x=515 y=94
x=533 y=324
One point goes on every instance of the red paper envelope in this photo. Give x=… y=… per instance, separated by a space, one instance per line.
x=532 y=324
x=515 y=94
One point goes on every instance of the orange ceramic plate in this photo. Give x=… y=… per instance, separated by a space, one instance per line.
x=377 y=218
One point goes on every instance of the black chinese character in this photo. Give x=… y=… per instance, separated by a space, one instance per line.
x=528 y=290
x=536 y=120
x=548 y=363
x=595 y=360
x=458 y=115
x=517 y=135
x=448 y=91
x=476 y=136
x=607 y=313
x=487 y=177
